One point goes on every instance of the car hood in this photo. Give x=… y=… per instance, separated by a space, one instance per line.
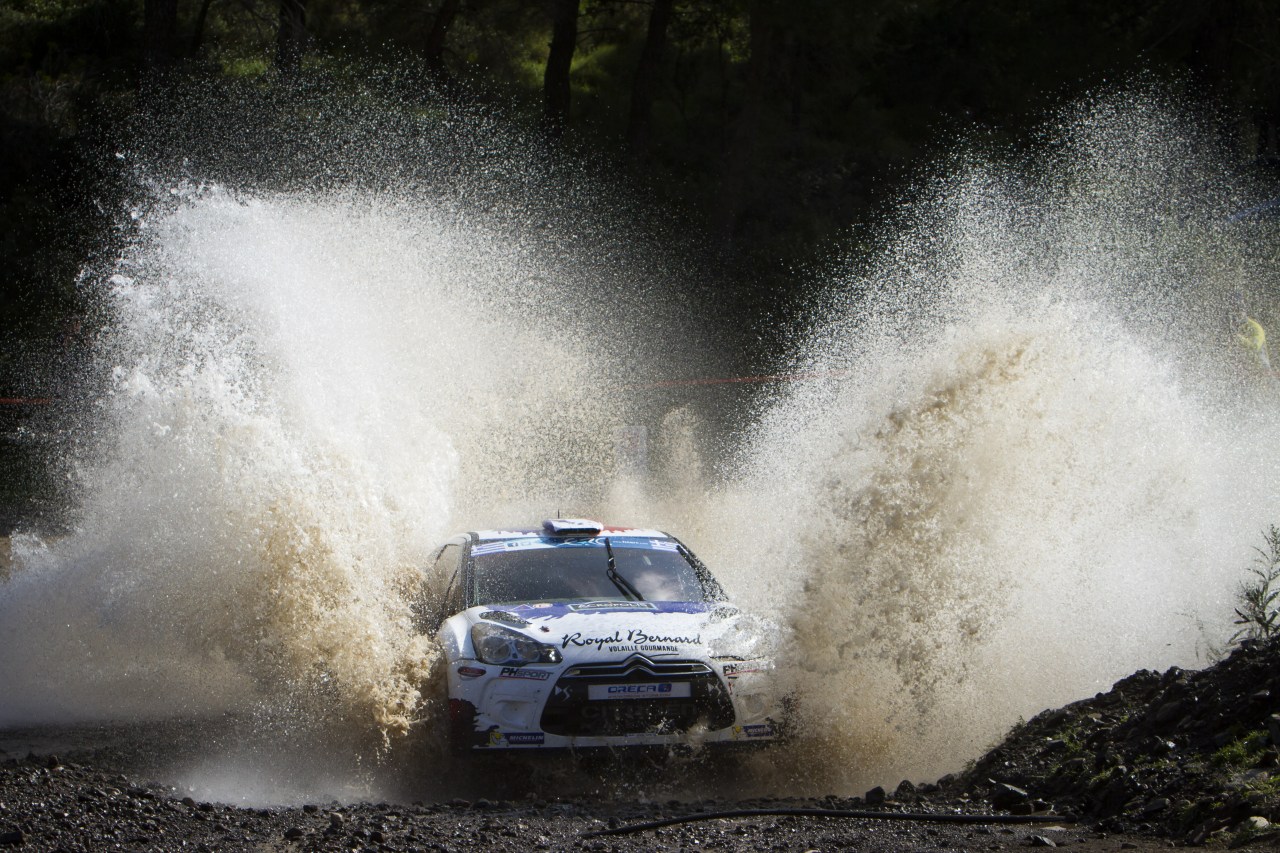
x=603 y=630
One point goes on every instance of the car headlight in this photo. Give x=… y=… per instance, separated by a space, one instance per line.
x=498 y=645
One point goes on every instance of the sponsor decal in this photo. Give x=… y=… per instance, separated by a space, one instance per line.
x=501 y=545
x=732 y=669
x=758 y=730
x=649 y=690
x=521 y=672
x=497 y=738
x=615 y=689
x=613 y=605
x=554 y=610
x=526 y=738
x=635 y=637
x=525 y=542
x=471 y=671
x=505 y=618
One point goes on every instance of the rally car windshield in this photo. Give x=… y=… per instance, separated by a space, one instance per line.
x=545 y=569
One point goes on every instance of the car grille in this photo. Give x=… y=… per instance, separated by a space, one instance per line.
x=570 y=712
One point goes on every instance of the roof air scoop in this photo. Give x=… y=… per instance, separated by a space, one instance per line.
x=572 y=527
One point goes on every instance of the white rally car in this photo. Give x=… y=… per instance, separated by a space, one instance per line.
x=577 y=636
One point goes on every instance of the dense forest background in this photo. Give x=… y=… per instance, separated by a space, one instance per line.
x=772 y=127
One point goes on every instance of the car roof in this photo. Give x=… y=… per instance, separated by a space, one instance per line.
x=531 y=532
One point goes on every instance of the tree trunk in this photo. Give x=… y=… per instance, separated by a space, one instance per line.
x=197 y=32
x=159 y=26
x=646 y=78
x=740 y=162
x=555 y=82
x=434 y=48
x=291 y=37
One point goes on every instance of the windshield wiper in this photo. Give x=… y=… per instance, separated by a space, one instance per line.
x=618 y=580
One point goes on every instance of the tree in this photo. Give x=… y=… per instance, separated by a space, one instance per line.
x=434 y=48
x=197 y=32
x=159 y=26
x=291 y=37
x=758 y=93
x=555 y=82
x=646 y=77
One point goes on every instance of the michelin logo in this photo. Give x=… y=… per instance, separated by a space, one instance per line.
x=526 y=738
x=497 y=738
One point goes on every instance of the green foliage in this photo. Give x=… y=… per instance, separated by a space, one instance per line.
x=1241 y=753
x=1259 y=611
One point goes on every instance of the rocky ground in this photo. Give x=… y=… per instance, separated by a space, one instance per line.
x=1188 y=756
x=1173 y=759
x=46 y=804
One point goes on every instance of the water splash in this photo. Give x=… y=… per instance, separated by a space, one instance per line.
x=304 y=395
x=1039 y=457
x=1033 y=460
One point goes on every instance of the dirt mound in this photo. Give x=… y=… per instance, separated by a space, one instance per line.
x=1189 y=755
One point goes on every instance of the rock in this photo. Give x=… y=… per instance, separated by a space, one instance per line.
x=1156 y=746
x=1155 y=806
x=1273 y=728
x=1052 y=718
x=1075 y=766
x=1200 y=834
x=876 y=796
x=1112 y=798
x=336 y=820
x=905 y=791
x=1006 y=795
x=1042 y=841
x=1169 y=712
x=12 y=838
x=1255 y=823
x=293 y=833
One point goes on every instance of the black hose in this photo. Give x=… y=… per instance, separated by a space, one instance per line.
x=923 y=817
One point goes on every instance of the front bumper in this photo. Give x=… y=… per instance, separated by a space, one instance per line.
x=637 y=702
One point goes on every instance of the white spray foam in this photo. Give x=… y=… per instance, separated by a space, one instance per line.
x=1036 y=463
x=303 y=393
x=1039 y=461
